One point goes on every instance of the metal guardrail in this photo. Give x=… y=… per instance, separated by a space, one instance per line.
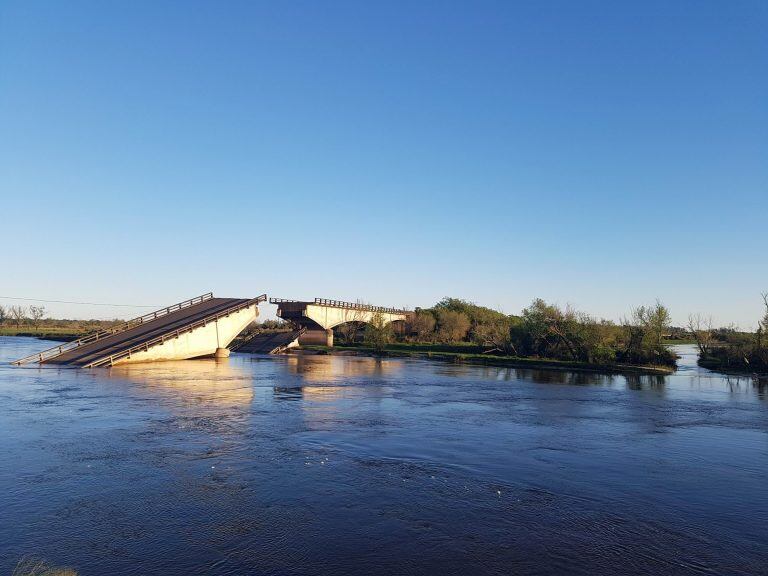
x=339 y=304
x=357 y=306
x=277 y=349
x=100 y=334
x=144 y=346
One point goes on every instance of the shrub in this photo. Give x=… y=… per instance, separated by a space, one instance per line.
x=452 y=326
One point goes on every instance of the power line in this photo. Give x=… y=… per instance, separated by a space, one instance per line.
x=81 y=303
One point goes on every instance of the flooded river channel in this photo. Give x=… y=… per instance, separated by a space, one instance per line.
x=344 y=465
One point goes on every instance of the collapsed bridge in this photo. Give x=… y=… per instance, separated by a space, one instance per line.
x=195 y=328
x=206 y=326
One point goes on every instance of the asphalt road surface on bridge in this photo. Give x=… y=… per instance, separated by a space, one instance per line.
x=144 y=332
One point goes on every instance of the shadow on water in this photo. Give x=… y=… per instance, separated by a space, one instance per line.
x=640 y=382
x=742 y=384
x=563 y=377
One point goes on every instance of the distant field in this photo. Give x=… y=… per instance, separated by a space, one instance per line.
x=46 y=332
x=24 y=330
x=672 y=342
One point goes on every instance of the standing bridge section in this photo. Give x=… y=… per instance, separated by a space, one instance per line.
x=201 y=326
x=320 y=316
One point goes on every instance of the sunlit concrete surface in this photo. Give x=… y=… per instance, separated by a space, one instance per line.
x=202 y=341
x=321 y=316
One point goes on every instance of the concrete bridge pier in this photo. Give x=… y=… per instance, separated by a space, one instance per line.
x=317 y=338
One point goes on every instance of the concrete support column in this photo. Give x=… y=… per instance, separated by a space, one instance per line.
x=317 y=338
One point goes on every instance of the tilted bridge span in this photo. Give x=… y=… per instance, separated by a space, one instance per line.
x=201 y=326
x=206 y=326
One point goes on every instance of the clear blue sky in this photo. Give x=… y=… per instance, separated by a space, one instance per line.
x=602 y=154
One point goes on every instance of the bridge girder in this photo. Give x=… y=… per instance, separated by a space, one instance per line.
x=324 y=315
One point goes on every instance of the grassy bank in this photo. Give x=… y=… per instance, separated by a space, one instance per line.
x=44 y=332
x=471 y=354
x=677 y=341
x=733 y=363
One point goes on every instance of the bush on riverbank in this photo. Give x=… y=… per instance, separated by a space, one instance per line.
x=547 y=331
x=729 y=349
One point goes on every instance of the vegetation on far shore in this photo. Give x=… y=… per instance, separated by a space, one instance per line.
x=543 y=334
x=546 y=333
x=45 y=332
x=729 y=349
x=31 y=321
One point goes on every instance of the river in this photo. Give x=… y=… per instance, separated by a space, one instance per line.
x=347 y=465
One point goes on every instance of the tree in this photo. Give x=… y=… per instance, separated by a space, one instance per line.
x=37 y=313
x=479 y=316
x=655 y=320
x=18 y=314
x=496 y=334
x=701 y=331
x=534 y=330
x=762 y=325
x=350 y=329
x=3 y=314
x=452 y=326
x=764 y=321
x=423 y=325
x=378 y=332
x=645 y=331
x=563 y=333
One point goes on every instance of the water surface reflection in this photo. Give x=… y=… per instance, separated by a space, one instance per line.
x=208 y=380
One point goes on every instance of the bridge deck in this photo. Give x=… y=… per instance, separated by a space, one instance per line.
x=145 y=332
x=268 y=342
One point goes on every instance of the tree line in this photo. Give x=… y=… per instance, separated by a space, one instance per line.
x=36 y=317
x=728 y=348
x=542 y=330
x=547 y=330
x=20 y=315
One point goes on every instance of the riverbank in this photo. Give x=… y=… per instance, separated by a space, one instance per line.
x=467 y=354
x=44 y=333
x=724 y=367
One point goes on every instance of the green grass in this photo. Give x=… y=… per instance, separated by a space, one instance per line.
x=48 y=332
x=457 y=348
x=468 y=354
x=670 y=342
